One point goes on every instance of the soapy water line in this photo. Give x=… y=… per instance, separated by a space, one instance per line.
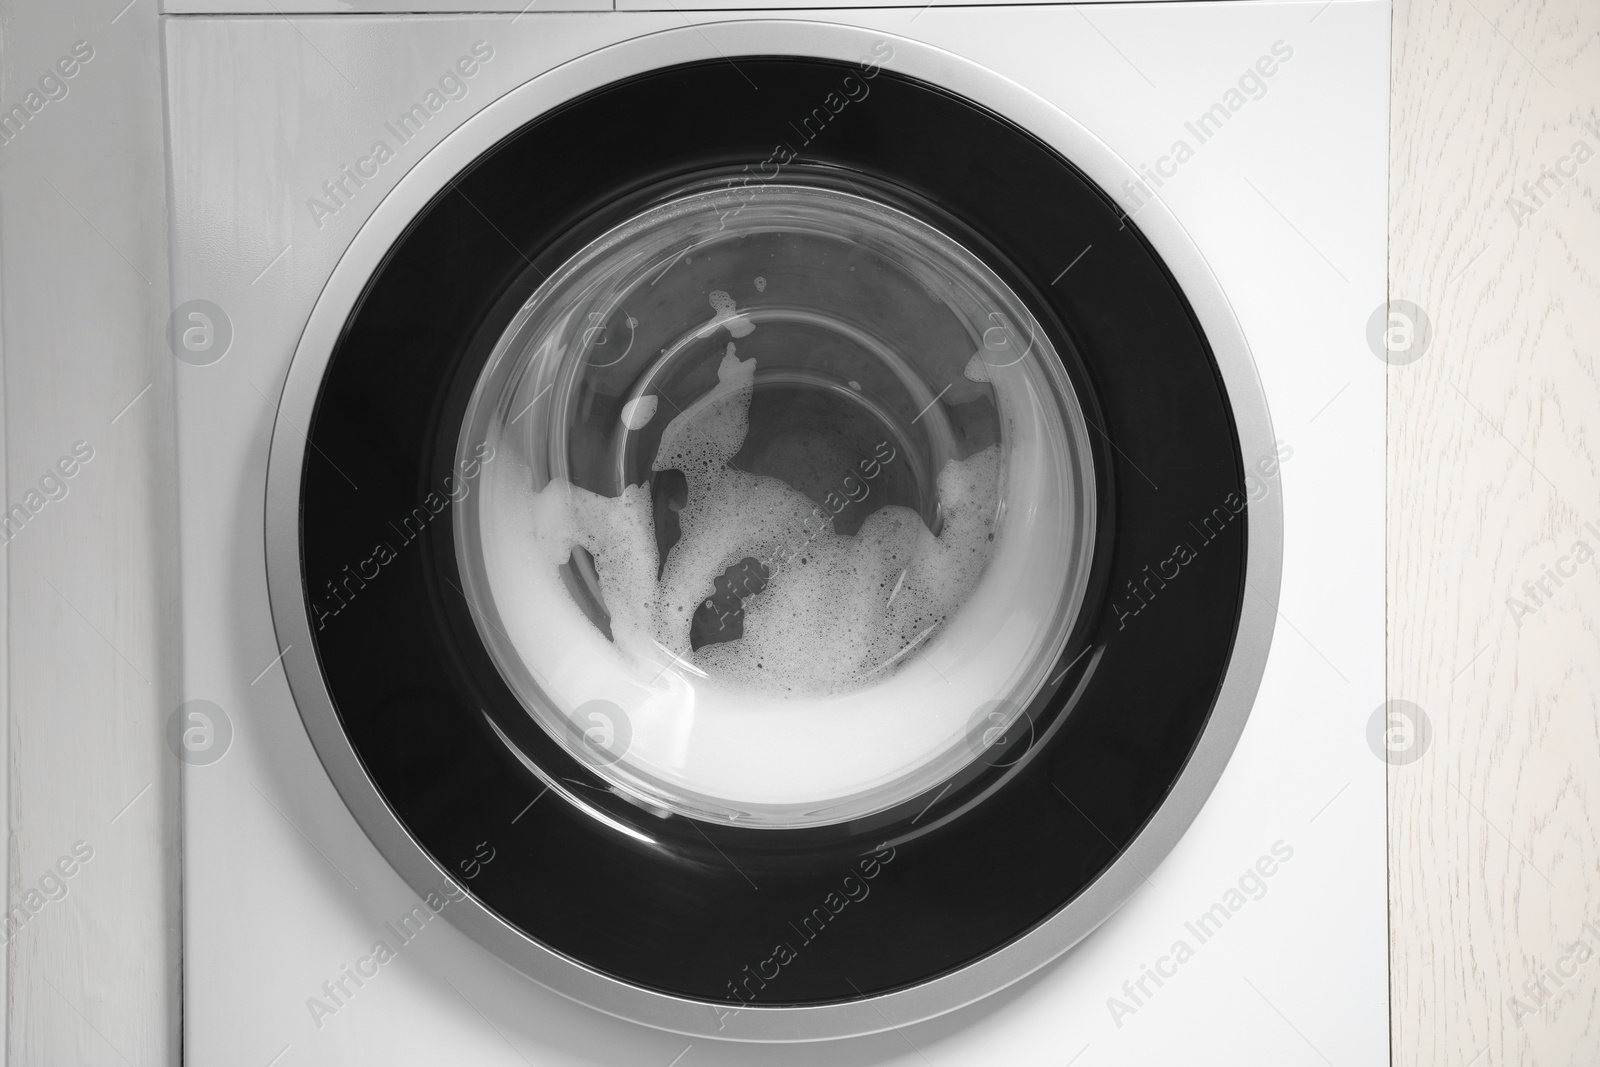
x=826 y=511
x=913 y=646
x=703 y=435
x=827 y=514
x=694 y=425
x=674 y=658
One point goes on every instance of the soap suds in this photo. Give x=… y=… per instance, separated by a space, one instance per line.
x=837 y=612
x=727 y=314
x=637 y=413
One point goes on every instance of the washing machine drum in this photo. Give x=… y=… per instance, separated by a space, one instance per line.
x=773 y=549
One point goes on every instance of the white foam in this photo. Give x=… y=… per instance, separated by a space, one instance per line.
x=637 y=413
x=827 y=736
x=845 y=609
x=711 y=431
x=800 y=729
x=838 y=612
x=727 y=314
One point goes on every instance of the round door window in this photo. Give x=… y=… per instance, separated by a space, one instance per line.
x=807 y=570
x=781 y=492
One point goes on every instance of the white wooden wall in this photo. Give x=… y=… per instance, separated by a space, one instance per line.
x=1494 y=470
x=89 y=671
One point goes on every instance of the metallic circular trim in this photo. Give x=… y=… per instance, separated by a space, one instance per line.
x=568 y=977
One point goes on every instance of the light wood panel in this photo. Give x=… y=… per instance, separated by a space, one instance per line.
x=1494 y=467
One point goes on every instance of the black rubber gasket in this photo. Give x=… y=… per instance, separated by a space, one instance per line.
x=715 y=912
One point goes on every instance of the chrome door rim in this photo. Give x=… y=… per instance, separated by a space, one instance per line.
x=556 y=971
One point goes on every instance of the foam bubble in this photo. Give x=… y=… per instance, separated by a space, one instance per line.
x=711 y=431
x=839 y=611
x=637 y=413
x=727 y=314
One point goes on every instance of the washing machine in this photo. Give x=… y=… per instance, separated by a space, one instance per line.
x=781 y=534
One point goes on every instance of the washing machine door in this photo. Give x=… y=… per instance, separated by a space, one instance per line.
x=781 y=563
